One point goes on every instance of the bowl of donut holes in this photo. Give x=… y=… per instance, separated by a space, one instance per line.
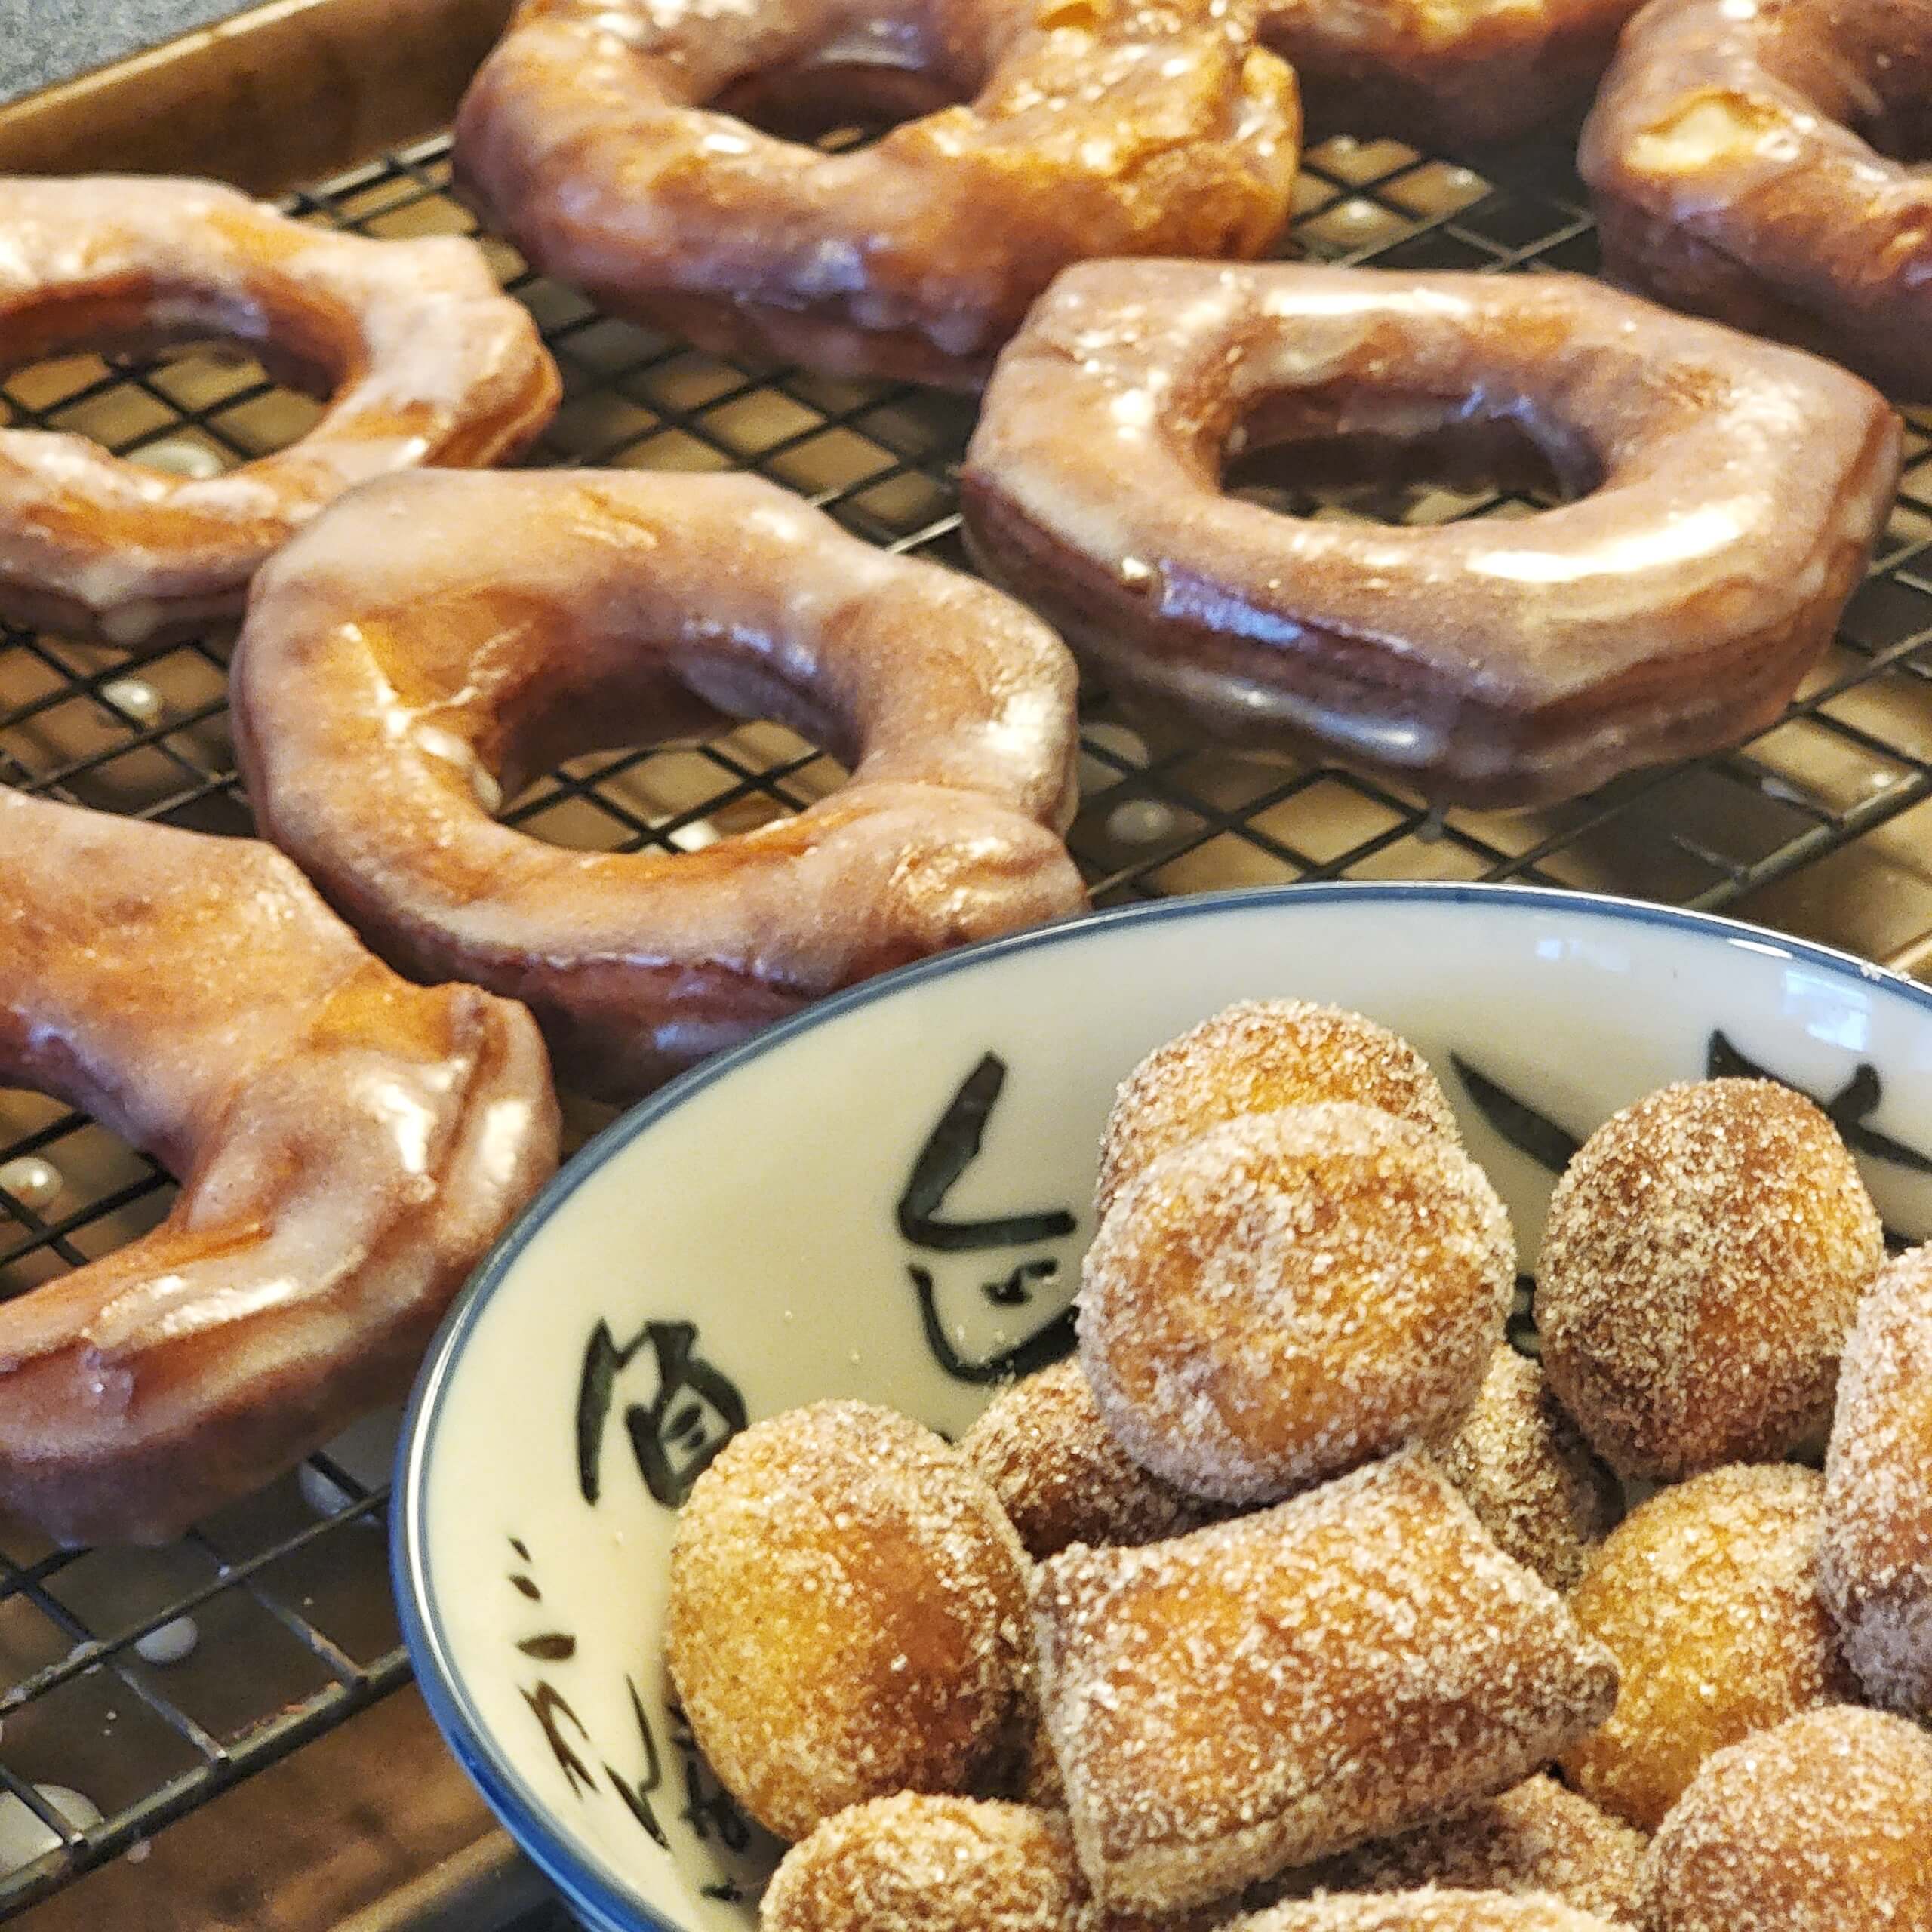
x=1401 y=1407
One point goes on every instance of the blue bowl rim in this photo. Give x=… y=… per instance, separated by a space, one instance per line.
x=581 y=1876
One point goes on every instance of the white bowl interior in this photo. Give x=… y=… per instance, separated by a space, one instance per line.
x=753 y=1216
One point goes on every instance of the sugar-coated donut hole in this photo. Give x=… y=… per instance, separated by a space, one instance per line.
x=1292 y=452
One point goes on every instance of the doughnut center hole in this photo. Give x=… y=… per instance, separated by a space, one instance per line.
x=1421 y=462
x=677 y=792
x=106 y=369
x=876 y=76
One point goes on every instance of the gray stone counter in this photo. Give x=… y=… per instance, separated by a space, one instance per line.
x=42 y=41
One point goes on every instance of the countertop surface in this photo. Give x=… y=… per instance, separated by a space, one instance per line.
x=42 y=41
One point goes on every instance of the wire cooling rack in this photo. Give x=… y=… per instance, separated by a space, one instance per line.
x=1816 y=826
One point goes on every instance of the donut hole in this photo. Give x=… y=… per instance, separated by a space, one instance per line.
x=106 y=370
x=850 y=90
x=677 y=793
x=1289 y=454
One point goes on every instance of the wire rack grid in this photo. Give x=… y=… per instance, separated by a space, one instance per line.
x=1819 y=825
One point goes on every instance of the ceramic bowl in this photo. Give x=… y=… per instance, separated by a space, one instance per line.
x=888 y=1198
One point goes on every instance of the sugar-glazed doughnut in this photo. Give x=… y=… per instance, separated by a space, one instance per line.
x=846 y=1617
x=1432 y=75
x=1537 y=1836
x=1820 y=1824
x=1257 y=1057
x=1727 y=493
x=348 y=1144
x=1428 y=1910
x=1711 y=1222
x=1268 y=1690
x=604 y=136
x=1878 y=1546
x=1708 y=1594
x=437 y=639
x=1760 y=161
x=428 y=360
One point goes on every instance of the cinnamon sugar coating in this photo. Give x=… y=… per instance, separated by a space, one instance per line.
x=1526 y=1471
x=604 y=136
x=1257 y=1057
x=1727 y=496
x=429 y=362
x=1763 y=165
x=1292 y=1295
x=1268 y=1690
x=1820 y=1825
x=435 y=641
x=349 y=1145
x=1877 y=1544
x=1537 y=1838
x=1059 y=1475
x=916 y=1863
x=847 y=1617
x=1708 y=1595
x=1702 y=1264
x=1426 y=1911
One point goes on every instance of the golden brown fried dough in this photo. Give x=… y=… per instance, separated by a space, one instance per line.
x=1877 y=1552
x=1537 y=1838
x=1272 y=1689
x=914 y=1863
x=1823 y=1824
x=1702 y=1265
x=847 y=1616
x=1427 y=1911
x=1257 y=1057
x=1059 y=1475
x=1291 y=1295
x=1708 y=1595
x=1528 y=1474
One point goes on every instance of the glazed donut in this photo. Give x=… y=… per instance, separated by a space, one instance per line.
x=430 y=361
x=348 y=1145
x=1432 y=75
x=437 y=639
x=1727 y=495
x=1754 y=160
x=602 y=136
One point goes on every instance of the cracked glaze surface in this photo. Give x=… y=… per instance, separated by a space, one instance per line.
x=602 y=135
x=1727 y=493
x=437 y=640
x=348 y=1147
x=429 y=362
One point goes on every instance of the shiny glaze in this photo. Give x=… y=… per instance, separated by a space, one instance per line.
x=436 y=640
x=1727 y=493
x=597 y=135
x=348 y=1145
x=430 y=362
x=1728 y=161
x=1443 y=72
